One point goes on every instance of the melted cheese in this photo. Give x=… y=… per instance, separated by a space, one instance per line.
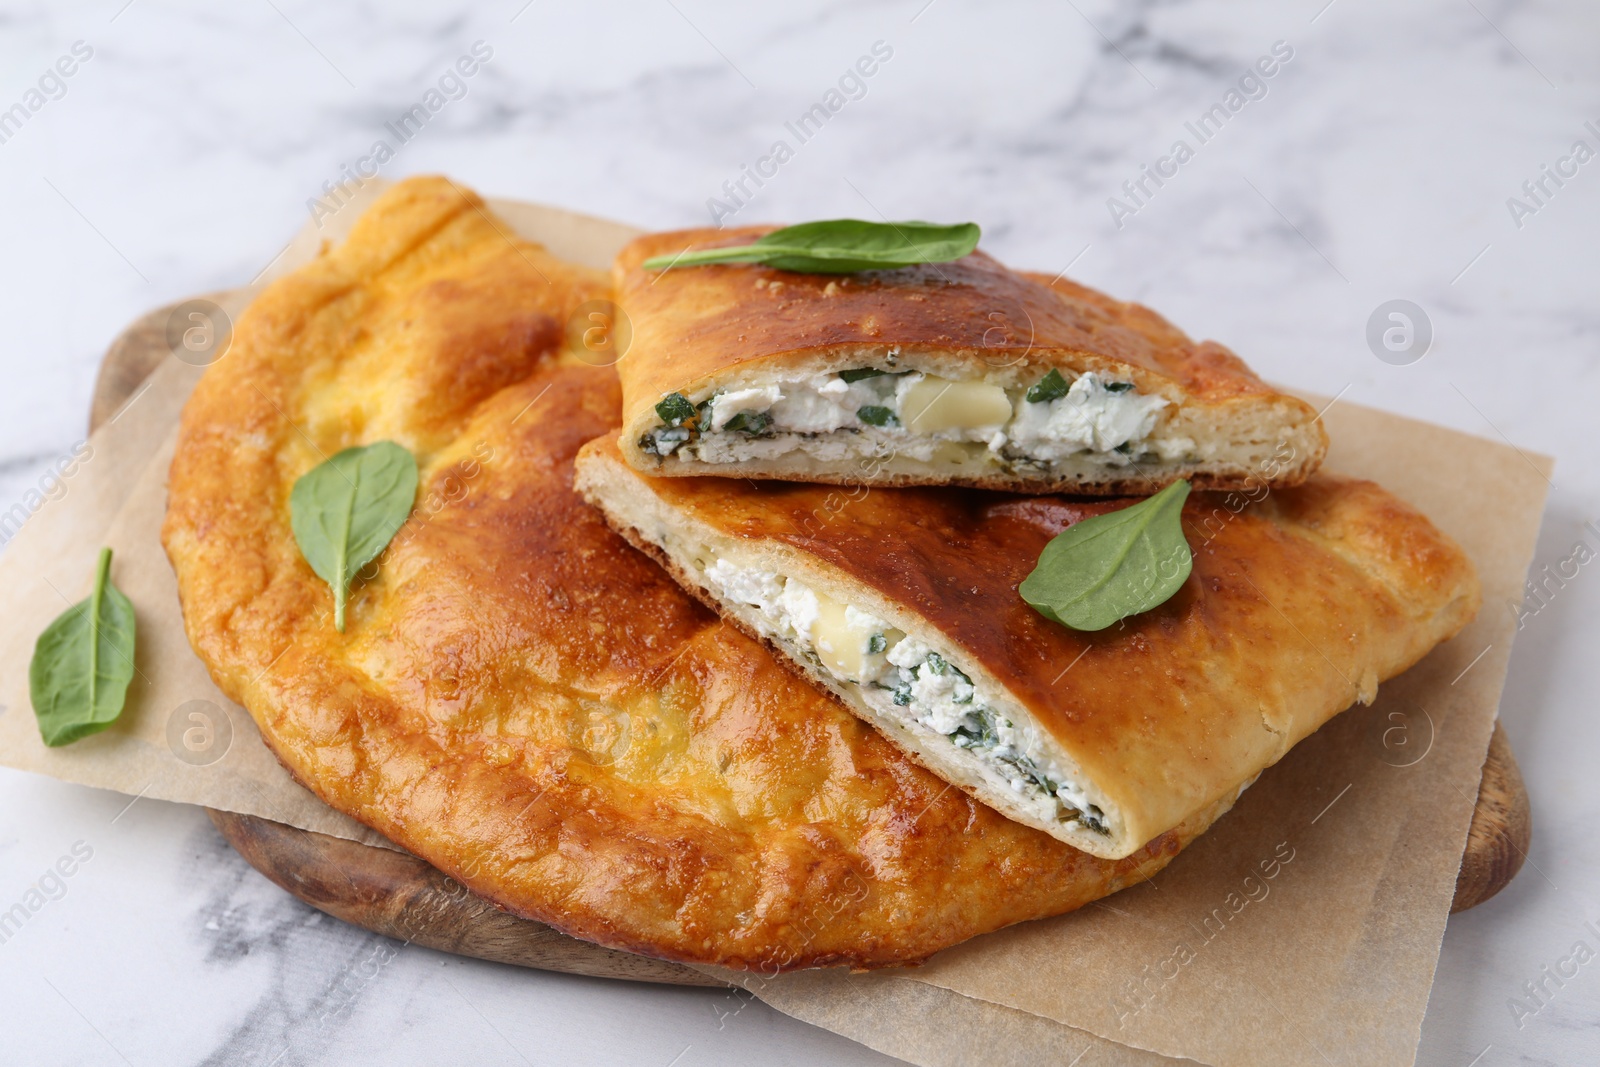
x=935 y=404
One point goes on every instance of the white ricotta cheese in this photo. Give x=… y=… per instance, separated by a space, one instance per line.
x=1089 y=418
x=725 y=406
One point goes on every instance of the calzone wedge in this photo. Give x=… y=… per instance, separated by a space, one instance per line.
x=960 y=373
x=903 y=603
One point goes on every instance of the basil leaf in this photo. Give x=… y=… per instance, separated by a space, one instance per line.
x=1118 y=387
x=873 y=415
x=82 y=663
x=1104 y=569
x=345 y=510
x=840 y=246
x=1051 y=387
x=860 y=375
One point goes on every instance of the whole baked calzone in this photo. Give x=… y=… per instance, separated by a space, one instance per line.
x=520 y=697
x=959 y=373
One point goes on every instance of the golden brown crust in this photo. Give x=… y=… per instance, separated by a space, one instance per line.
x=521 y=699
x=692 y=326
x=1298 y=605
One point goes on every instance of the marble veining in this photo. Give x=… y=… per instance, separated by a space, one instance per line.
x=1375 y=163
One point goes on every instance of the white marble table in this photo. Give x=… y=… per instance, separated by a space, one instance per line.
x=1375 y=164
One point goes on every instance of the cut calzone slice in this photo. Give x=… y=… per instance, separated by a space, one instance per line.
x=961 y=373
x=904 y=604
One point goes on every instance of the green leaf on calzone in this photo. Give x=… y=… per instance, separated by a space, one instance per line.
x=346 y=510
x=839 y=246
x=1109 y=567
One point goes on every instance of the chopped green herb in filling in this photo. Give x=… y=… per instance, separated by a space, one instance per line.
x=861 y=374
x=873 y=415
x=664 y=442
x=978 y=731
x=675 y=409
x=876 y=644
x=754 y=423
x=1051 y=387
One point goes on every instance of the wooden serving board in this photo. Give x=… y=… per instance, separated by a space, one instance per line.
x=400 y=896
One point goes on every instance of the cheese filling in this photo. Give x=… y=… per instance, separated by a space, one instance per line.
x=903 y=679
x=872 y=414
